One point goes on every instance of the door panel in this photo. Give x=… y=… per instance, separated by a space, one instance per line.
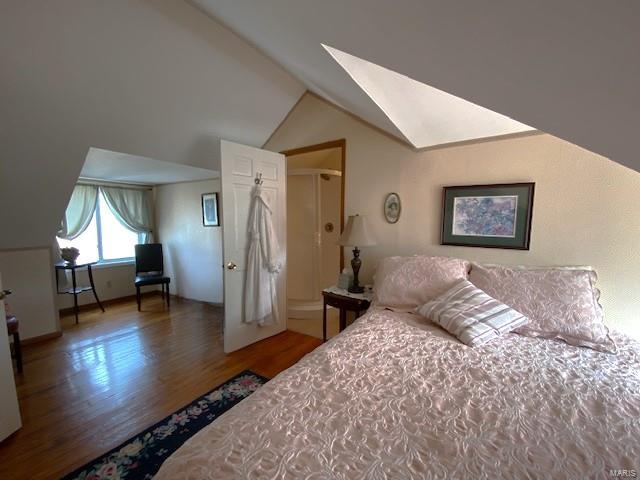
x=239 y=166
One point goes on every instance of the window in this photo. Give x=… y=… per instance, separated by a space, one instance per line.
x=105 y=239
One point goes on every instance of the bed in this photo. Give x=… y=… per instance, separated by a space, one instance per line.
x=394 y=396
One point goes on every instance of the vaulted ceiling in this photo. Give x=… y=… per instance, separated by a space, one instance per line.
x=150 y=78
x=165 y=79
x=568 y=67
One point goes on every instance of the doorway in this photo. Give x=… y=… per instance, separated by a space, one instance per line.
x=315 y=219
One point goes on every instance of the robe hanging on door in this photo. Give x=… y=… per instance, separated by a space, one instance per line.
x=263 y=266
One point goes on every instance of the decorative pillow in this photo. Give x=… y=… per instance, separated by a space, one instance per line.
x=471 y=315
x=560 y=302
x=403 y=283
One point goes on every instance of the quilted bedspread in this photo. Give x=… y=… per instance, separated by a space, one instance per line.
x=396 y=397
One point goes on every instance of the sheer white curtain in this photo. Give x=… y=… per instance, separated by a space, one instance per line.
x=132 y=207
x=76 y=219
x=79 y=212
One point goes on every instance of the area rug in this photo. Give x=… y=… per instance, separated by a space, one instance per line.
x=140 y=457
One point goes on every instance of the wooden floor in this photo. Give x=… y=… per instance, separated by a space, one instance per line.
x=119 y=372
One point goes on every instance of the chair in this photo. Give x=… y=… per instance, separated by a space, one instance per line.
x=12 y=329
x=150 y=269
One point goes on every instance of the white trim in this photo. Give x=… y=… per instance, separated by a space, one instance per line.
x=113 y=183
x=114 y=263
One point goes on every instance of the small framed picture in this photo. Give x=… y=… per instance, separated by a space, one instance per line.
x=495 y=216
x=210 y=216
x=392 y=208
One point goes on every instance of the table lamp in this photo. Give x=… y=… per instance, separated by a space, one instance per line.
x=356 y=234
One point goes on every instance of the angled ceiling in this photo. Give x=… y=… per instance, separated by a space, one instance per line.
x=569 y=68
x=425 y=115
x=153 y=78
x=111 y=166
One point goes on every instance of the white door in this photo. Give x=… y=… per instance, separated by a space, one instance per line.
x=9 y=413
x=239 y=166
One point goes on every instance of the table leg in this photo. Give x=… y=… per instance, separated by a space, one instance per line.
x=343 y=319
x=324 y=320
x=93 y=287
x=75 y=293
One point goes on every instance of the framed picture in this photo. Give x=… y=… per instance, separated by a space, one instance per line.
x=210 y=216
x=392 y=208
x=494 y=216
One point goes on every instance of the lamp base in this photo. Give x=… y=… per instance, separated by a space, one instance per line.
x=355 y=266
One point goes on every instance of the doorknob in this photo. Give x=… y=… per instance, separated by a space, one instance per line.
x=231 y=266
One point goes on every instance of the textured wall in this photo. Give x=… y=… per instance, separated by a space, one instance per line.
x=585 y=210
x=192 y=252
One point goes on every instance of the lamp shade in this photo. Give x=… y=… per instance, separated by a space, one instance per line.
x=356 y=233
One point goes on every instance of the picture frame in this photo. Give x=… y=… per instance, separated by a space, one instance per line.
x=210 y=212
x=489 y=216
x=392 y=207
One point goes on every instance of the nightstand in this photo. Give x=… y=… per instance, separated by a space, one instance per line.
x=344 y=301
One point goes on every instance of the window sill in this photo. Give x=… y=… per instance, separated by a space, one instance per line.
x=114 y=263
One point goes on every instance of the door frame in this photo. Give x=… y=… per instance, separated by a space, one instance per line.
x=342 y=144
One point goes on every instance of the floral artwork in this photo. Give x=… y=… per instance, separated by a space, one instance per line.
x=491 y=216
x=141 y=457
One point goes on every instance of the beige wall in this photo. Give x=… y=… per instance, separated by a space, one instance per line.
x=111 y=281
x=29 y=275
x=192 y=252
x=586 y=208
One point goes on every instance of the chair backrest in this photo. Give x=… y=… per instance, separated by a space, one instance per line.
x=149 y=258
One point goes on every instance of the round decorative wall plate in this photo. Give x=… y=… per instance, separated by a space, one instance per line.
x=392 y=208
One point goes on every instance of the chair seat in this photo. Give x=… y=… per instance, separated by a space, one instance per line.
x=142 y=280
x=12 y=324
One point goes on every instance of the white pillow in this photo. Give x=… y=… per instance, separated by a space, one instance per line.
x=403 y=283
x=561 y=302
x=471 y=315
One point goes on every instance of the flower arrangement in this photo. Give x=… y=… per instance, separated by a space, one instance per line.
x=69 y=254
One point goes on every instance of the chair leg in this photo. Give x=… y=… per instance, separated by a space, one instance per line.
x=138 y=297
x=18 y=351
x=162 y=290
x=168 y=297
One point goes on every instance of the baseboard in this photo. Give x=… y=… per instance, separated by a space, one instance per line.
x=105 y=303
x=41 y=338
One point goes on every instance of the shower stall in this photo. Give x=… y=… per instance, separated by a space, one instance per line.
x=313 y=227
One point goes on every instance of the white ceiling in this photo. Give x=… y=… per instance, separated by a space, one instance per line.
x=111 y=166
x=425 y=115
x=569 y=68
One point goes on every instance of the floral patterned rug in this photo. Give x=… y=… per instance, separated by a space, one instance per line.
x=140 y=457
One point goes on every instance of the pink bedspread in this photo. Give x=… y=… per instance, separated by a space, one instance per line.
x=394 y=397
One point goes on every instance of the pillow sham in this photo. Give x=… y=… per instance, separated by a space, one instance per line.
x=474 y=317
x=560 y=302
x=403 y=283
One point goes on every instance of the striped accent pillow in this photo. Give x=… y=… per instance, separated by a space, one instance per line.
x=471 y=315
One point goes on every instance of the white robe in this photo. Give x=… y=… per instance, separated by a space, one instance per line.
x=260 y=296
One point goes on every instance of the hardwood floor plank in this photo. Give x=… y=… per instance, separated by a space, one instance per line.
x=118 y=372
